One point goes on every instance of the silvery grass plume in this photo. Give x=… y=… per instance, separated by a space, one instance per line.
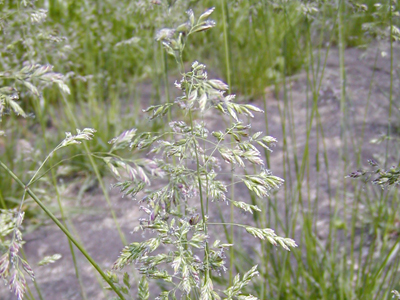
x=12 y=266
x=133 y=174
x=28 y=76
x=182 y=250
x=379 y=176
x=396 y=294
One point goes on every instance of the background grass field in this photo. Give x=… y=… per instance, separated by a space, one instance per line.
x=326 y=74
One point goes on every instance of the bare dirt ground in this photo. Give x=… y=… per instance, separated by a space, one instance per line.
x=96 y=228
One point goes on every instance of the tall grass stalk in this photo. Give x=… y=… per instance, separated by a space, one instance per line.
x=63 y=228
x=42 y=121
x=225 y=17
x=391 y=81
x=99 y=178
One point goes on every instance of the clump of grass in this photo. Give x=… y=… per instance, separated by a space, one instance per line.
x=264 y=41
